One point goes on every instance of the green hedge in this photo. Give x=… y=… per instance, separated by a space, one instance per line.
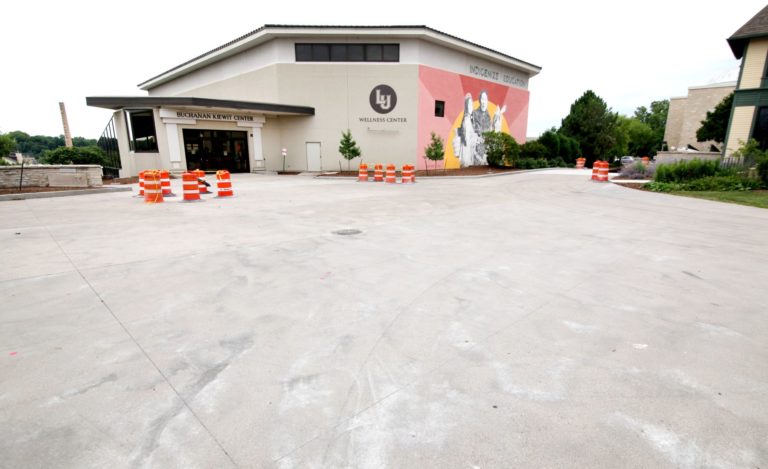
x=709 y=183
x=683 y=171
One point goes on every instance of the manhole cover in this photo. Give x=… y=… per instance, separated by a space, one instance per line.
x=347 y=232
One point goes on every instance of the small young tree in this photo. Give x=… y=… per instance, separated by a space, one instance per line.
x=715 y=125
x=348 y=147
x=434 y=151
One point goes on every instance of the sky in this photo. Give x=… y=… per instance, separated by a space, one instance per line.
x=629 y=53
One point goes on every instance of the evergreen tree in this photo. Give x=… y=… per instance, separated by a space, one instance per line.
x=593 y=125
x=348 y=147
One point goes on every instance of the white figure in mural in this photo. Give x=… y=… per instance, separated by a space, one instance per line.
x=466 y=138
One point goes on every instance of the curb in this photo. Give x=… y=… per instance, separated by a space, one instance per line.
x=45 y=195
x=440 y=178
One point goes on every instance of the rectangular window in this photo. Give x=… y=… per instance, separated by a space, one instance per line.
x=439 y=108
x=141 y=130
x=347 y=52
x=373 y=53
x=760 y=132
x=321 y=53
x=355 y=52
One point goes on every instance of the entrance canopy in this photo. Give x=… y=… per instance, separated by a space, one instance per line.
x=121 y=102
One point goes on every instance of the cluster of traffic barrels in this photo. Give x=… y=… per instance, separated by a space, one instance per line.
x=600 y=171
x=407 y=174
x=155 y=185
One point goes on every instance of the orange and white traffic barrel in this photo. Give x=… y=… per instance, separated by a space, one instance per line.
x=153 y=191
x=165 y=182
x=602 y=172
x=189 y=185
x=646 y=160
x=595 y=169
x=362 y=173
x=580 y=163
x=141 y=183
x=201 y=181
x=391 y=174
x=407 y=174
x=378 y=173
x=223 y=184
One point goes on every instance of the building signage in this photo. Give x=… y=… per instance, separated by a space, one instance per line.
x=383 y=99
x=490 y=74
x=213 y=116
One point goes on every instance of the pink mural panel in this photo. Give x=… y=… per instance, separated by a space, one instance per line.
x=472 y=106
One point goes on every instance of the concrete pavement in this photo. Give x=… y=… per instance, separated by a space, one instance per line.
x=530 y=320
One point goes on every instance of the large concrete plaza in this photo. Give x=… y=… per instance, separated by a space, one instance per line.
x=527 y=320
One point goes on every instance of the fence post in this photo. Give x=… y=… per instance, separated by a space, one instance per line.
x=21 y=175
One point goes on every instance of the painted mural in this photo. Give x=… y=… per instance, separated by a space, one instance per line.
x=472 y=106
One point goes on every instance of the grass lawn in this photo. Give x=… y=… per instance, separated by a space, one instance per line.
x=751 y=198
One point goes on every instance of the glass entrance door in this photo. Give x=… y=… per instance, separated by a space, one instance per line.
x=212 y=150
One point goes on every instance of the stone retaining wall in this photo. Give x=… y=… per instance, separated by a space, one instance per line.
x=51 y=176
x=675 y=156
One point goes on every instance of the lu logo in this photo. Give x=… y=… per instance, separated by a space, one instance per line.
x=384 y=101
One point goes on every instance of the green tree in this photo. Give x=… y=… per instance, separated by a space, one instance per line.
x=714 y=126
x=535 y=150
x=435 y=150
x=501 y=149
x=591 y=122
x=348 y=147
x=656 y=120
x=569 y=148
x=7 y=145
x=551 y=140
x=74 y=155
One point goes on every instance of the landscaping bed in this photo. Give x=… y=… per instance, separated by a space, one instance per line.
x=469 y=171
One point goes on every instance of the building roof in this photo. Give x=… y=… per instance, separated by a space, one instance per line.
x=121 y=102
x=272 y=31
x=754 y=28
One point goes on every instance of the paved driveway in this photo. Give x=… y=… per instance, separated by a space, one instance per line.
x=529 y=320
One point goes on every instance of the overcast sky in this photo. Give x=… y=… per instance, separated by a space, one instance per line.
x=629 y=53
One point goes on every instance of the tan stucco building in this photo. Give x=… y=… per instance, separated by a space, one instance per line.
x=297 y=88
x=749 y=118
x=686 y=113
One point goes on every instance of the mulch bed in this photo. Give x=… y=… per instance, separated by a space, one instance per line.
x=470 y=171
x=32 y=189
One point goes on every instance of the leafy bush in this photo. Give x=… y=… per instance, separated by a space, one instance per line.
x=501 y=149
x=533 y=163
x=750 y=154
x=637 y=170
x=709 y=183
x=74 y=155
x=683 y=171
x=558 y=162
x=534 y=150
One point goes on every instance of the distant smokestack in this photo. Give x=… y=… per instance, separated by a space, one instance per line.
x=67 y=134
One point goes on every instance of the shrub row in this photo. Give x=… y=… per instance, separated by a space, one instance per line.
x=683 y=171
x=708 y=183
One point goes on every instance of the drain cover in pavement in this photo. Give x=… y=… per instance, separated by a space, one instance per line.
x=347 y=232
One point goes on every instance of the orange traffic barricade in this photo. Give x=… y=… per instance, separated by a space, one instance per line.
x=602 y=172
x=223 y=184
x=378 y=173
x=201 y=181
x=141 y=183
x=165 y=183
x=580 y=163
x=189 y=185
x=362 y=173
x=391 y=174
x=153 y=191
x=407 y=174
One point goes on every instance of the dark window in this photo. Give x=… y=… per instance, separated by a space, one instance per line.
x=391 y=53
x=439 y=108
x=373 y=53
x=303 y=52
x=141 y=130
x=347 y=52
x=338 y=52
x=321 y=53
x=760 y=132
x=355 y=53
